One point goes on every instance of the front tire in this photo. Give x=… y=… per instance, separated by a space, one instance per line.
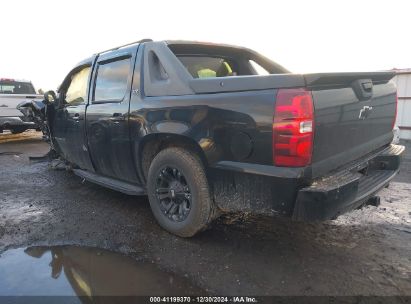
x=17 y=130
x=178 y=192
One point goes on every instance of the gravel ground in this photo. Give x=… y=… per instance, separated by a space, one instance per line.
x=365 y=252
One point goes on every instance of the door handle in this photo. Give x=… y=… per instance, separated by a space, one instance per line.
x=76 y=117
x=117 y=117
x=363 y=88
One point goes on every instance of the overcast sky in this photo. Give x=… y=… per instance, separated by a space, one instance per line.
x=42 y=40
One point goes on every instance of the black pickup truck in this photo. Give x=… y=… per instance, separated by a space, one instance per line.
x=206 y=129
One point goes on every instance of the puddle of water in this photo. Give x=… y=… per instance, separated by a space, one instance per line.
x=85 y=272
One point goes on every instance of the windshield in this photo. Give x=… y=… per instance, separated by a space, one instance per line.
x=16 y=87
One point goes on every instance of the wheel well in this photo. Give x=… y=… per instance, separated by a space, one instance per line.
x=156 y=143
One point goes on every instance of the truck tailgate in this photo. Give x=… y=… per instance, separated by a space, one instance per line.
x=9 y=102
x=354 y=114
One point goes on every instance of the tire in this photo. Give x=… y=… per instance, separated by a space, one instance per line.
x=179 y=169
x=17 y=130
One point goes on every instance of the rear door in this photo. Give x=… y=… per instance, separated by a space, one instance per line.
x=107 y=115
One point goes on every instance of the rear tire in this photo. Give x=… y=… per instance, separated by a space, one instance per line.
x=178 y=192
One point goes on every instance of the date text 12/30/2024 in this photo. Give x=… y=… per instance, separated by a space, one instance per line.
x=237 y=299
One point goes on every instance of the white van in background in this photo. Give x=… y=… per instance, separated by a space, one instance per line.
x=13 y=92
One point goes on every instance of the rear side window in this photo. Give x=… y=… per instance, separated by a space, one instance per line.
x=111 y=81
x=16 y=87
x=208 y=67
x=258 y=68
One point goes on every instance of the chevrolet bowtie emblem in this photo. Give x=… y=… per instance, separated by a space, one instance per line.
x=365 y=112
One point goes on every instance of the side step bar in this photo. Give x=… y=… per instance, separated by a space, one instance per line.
x=111 y=183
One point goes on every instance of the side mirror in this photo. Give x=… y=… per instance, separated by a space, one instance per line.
x=50 y=97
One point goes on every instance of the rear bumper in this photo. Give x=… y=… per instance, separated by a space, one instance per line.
x=345 y=190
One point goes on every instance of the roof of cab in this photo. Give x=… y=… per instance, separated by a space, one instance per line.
x=202 y=43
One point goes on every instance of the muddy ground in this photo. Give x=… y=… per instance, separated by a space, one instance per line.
x=365 y=252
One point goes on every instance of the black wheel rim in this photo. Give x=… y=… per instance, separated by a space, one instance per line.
x=173 y=194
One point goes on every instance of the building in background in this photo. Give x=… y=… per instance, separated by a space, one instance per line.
x=403 y=81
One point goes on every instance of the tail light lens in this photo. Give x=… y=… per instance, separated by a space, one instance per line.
x=396 y=110
x=293 y=128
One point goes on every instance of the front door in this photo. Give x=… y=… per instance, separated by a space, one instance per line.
x=107 y=115
x=69 y=121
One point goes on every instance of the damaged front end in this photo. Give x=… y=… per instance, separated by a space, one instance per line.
x=35 y=111
x=42 y=114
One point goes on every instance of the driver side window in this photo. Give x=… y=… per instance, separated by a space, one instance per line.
x=77 y=91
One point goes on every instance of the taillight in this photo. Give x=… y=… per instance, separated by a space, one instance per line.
x=293 y=128
x=396 y=109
